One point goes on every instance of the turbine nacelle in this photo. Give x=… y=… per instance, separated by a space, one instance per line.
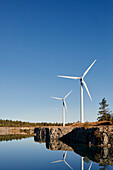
x=81 y=79
x=63 y=102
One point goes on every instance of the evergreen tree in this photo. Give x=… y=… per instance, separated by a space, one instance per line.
x=104 y=113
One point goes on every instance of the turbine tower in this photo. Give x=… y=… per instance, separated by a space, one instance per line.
x=64 y=157
x=82 y=82
x=64 y=105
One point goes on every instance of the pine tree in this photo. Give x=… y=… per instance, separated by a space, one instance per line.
x=104 y=113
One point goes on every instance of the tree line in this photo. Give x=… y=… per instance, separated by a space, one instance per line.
x=11 y=123
x=12 y=137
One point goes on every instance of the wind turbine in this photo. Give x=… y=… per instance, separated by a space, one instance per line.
x=64 y=105
x=64 y=157
x=82 y=82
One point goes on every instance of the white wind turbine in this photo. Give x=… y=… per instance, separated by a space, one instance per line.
x=64 y=105
x=82 y=82
x=64 y=157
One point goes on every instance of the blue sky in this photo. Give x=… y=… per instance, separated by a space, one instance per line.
x=42 y=39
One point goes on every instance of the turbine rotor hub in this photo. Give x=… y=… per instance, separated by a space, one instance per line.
x=81 y=79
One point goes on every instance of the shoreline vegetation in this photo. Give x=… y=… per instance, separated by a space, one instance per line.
x=14 y=137
x=11 y=123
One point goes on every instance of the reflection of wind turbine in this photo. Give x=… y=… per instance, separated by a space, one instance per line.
x=64 y=157
x=82 y=82
x=82 y=164
x=90 y=166
x=64 y=105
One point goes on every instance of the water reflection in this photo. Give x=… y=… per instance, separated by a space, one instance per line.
x=90 y=166
x=58 y=145
x=40 y=140
x=102 y=156
x=63 y=160
x=82 y=164
x=13 y=137
x=44 y=155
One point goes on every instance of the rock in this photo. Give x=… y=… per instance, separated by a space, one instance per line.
x=101 y=136
x=105 y=139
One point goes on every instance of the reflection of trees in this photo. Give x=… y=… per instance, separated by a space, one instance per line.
x=39 y=139
x=86 y=159
x=11 y=123
x=12 y=137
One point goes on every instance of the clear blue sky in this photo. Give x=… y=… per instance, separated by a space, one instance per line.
x=41 y=39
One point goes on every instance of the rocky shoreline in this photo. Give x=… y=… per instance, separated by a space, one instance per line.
x=98 y=136
x=16 y=130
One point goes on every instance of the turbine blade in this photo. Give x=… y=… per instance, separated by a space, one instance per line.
x=68 y=165
x=65 y=105
x=90 y=166
x=57 y=161
x=68 y=94
x=57 y=98
x=65 y=155
x=69 y=77
x=88 y=69
x=87 y=89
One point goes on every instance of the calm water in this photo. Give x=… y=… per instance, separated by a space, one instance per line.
x=28 y=154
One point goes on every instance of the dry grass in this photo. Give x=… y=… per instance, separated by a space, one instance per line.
x=92 y=124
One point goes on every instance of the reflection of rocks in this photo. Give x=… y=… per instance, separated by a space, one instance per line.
x=101 y=155
x=105 y=156
x=39 y=139
x=57 y=145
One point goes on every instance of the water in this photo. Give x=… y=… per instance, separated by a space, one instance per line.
x=28 y=154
